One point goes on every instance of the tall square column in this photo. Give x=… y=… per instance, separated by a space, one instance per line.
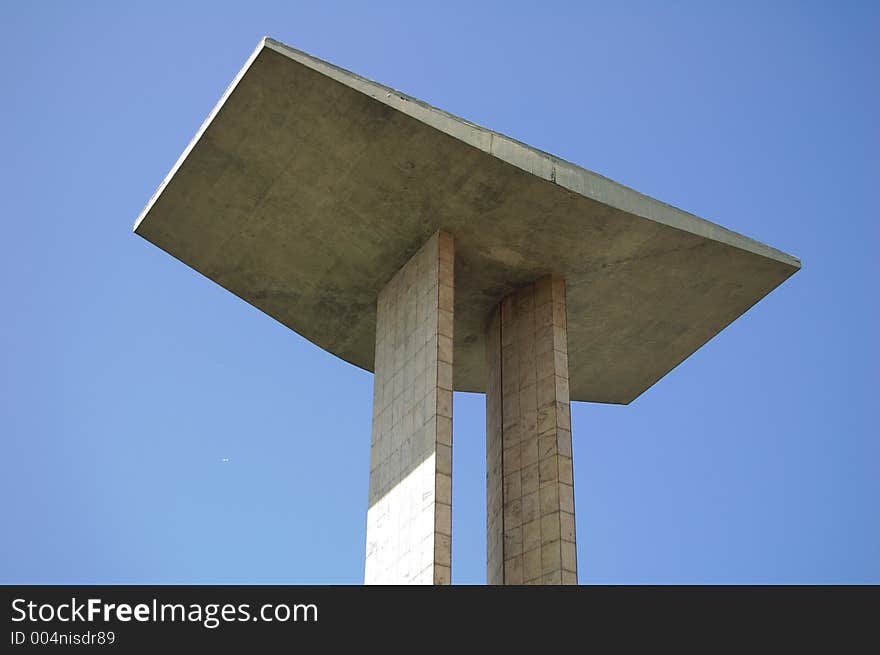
x=409 y=518
x=530 y=492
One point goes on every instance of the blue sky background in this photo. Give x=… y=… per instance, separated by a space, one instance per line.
x=126 y=378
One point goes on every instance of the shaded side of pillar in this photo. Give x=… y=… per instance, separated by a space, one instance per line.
x=409 y=520
x=529 y=480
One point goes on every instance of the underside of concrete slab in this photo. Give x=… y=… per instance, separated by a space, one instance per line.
x=309 y=187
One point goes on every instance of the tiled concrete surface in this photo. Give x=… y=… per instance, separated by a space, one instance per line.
x=409 y=518
x=530 y=492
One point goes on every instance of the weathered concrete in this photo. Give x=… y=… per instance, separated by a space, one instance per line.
x=529 y=477
x=409 y=521
x=309 y=187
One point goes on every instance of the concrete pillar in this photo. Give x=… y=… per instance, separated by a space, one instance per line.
x=530 y=492
x=409 y=519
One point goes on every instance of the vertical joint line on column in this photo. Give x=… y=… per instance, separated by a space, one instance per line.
x=500 y=355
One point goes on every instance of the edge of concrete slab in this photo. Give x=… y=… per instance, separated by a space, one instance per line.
x=541 y=164
x=532 y=160
x=198 y=135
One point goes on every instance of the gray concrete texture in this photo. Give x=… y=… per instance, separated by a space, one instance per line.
x=308 y=187
x=529 y=477
x=409 y=520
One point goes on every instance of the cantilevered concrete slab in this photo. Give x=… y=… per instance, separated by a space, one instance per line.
x=309 y=187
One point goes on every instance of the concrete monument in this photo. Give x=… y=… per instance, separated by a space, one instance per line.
x=444 y=256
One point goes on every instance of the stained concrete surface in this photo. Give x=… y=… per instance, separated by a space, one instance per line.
x=530 y=525
x=308 y=188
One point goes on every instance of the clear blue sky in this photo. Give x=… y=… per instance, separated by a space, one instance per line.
x=126 y=378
